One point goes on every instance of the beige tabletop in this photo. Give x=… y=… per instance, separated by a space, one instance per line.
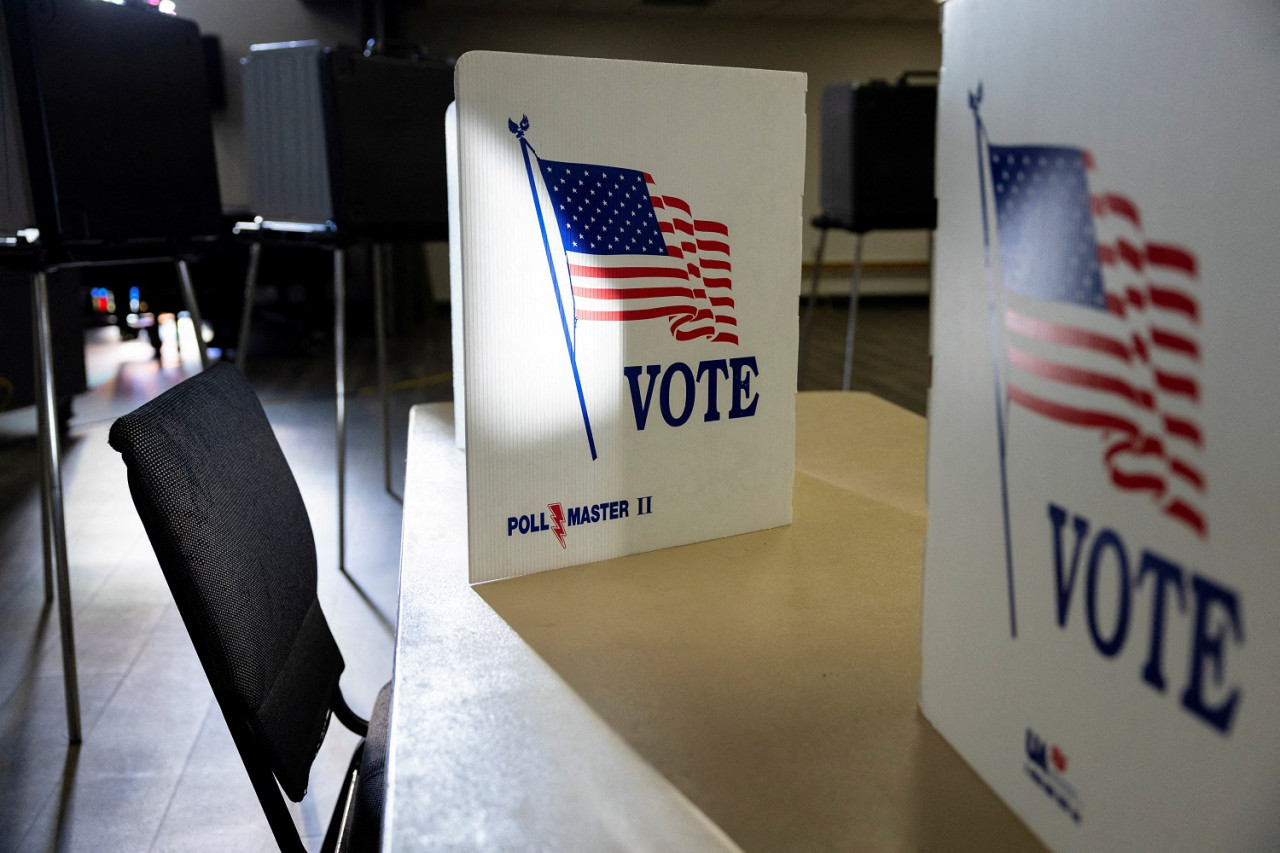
x=771 y=678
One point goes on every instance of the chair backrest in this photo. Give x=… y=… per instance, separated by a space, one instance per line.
x=230 y=530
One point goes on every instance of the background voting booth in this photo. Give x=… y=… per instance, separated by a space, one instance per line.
x=346 y=150
x=106 y=150
x=1100 y=584
x=877 y=174
x=629 y=264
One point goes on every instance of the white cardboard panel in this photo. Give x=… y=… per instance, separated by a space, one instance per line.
x=455 y=278
x=1115 y=674
x=729 y=143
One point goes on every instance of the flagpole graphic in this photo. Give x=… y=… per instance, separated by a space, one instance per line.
x=525 y=148
x=975 y=100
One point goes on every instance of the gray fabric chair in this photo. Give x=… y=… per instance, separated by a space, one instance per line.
x=231 y=533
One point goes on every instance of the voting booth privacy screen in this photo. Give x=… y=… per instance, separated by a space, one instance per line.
x=1101 y=587
x=877 y=155
x=107 y=134
x=630 y=258
x=351 y=137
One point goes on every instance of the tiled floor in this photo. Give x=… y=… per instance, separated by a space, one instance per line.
x=157 y=769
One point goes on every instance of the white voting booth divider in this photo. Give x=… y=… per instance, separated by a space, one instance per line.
x=1101 y=588
x=629 y=253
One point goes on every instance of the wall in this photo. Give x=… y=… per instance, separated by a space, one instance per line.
x=238 y=24
x=828 y=52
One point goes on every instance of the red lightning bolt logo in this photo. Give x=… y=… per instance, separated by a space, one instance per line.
x=557 y=522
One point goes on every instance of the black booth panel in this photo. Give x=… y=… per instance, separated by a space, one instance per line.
x=126 y=121
x=385 y=125
x=878 y=156
x=15 y=196
x=893 y=156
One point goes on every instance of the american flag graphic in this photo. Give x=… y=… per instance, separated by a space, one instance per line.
x=636 y=254
x=1101 y=325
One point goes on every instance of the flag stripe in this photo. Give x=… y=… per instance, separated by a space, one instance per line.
x=1173 y=300
x=1184 y=429
x=632 y=313
x=1181 y=385
x=1084 y=378
x=1175 y=342
x=634 y=293
x=586 y=271
x=1172 y=256
x=1066 y=335
x=1188 y=515
x=1119 y=205
x=1069 y=414
x=1186 y=472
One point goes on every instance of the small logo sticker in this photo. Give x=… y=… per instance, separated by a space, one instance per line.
x=1046 y=766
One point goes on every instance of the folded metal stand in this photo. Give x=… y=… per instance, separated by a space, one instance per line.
x=26 y=254
x=325 y=237
x=823 y=225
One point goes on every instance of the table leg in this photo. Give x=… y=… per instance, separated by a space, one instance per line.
x=51 y=482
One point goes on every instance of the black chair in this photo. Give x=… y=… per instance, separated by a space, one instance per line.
x=231 y=533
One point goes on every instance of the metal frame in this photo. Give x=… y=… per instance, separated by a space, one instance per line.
x=193 y=308
x=855 y=284
x=322 y=236
x=53 y=534
x=272 y=799
x=52 y=520
x=380 y=336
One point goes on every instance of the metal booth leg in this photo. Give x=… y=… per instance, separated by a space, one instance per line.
x=193 y=308
x=340 y=422
x=51 y=481
x=808 y=308
x=380 y=271
x=46 y=513
x=246 y=312
x=340 y=392
x=46 y=538
x=854 y=284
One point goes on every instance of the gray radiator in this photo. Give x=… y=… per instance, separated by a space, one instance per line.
x=284 y=119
